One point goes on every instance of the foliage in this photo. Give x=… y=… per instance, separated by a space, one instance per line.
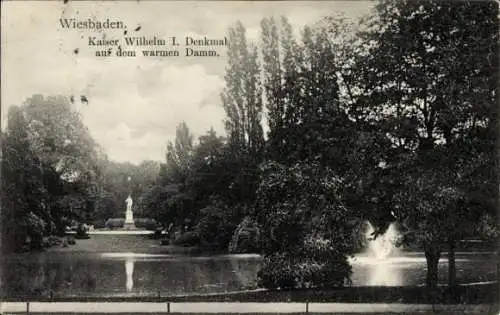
x=82 y=231
x=188 y=239
x=114 y=223
x=148 y=224
x=170 y=199
x=186 y=198
x=242 y=96
x=280 y=271
x=245 y=237
x=428 y=80
x=141 y=223
x=242 y=102
x=305 y=225
x=49 y=170
x=115 y=188
x=179 y=154
x=216 y=225
x=392 y=117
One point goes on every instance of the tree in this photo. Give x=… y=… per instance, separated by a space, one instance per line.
x=143 y=179
x=180 y=152
x=68 y=155
x=56 y=157
x=49 y=169
x=242 y=102
x=305 y=229
x=429 y=78
x=281 y=56
x=304 y=103
x=23 y=215
x=242 y=98
x=209 y=177
x=301 y=84
x=172 y=196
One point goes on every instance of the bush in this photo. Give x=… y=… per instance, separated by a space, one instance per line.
x=245 y=237
x=144 y=223
x=165 y=242
x=277 y=272
x=36 y=228
x=280 y=271
x=82 y=231
x=300 y=211
x=158 y=233
x=188 y=239
x=99 y=224
x=141 y=223
x=51 y=241
x=71 y=240
x=115 y=223
x=216 y=226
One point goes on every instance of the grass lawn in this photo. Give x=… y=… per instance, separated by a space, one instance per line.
x=116 y=243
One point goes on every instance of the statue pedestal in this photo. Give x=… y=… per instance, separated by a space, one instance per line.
x=129 y=221
x=129 y=226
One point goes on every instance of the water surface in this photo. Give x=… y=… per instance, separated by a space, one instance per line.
x=139 y=274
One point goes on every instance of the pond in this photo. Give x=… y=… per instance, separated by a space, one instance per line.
x=119 y=273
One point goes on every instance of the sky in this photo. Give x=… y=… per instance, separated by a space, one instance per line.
x=135 y=103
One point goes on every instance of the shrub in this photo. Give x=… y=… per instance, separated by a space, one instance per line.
x=82 y=231
x=282 y=271
x=114 y=223
x=50 y=241
x=71 y=240
x=277 y=272
x=99 y=224
x=144 y=223
x=306 y=232
x=36 y=228
x=188 y=239
x=158 y=233
x=245 y=237
x=216 y=225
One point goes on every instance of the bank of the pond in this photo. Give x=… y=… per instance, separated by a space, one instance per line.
x=486 y=293
x=464 y=294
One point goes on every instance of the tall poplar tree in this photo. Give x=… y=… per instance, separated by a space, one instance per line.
x=242 y=102
x=242 y=97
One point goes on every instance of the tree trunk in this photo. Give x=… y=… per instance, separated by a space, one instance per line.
x=452 y=270
x=432 y=254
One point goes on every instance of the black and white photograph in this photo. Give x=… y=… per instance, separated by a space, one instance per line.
x=236 y=157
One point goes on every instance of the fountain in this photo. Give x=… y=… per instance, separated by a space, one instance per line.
x=384 y=245
x=379 y=264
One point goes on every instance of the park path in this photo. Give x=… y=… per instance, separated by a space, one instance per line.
x=237 y=308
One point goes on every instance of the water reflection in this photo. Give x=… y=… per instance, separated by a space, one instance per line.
x=385 y=274
x=129 y=271
x=380 y=265
x=84 y=274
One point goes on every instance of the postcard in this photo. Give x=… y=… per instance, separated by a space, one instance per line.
x=250 y=156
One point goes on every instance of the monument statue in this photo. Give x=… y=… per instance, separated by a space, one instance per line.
x=129 y=215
